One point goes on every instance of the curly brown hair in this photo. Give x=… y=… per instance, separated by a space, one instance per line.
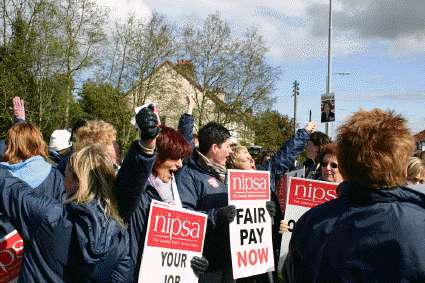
x=95 y=131
x=374 y=148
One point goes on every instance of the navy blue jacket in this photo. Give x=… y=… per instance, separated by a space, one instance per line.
x=364 y=235
x=132 y=179
x=2 y=149
x=137 y=227
x=134 y=198
x=185 y=127
x=52 y=187
x=202 y=190
x=64 y=243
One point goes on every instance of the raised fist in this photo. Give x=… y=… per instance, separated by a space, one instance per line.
x=147 y=122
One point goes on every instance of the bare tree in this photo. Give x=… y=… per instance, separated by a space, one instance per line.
x=228 y=68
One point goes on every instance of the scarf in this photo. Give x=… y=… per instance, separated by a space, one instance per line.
x=167 y=191
x=205 y=163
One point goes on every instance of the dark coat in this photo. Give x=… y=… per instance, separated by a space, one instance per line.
x=202 y=190
x=185 y=127
x=137 y=227
x=134 y=197
x=132 y=179
x=2 y=149
x=64 y=243
x=51 y=187
x=364 y=235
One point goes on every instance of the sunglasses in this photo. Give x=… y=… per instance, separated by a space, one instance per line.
x=333 y=164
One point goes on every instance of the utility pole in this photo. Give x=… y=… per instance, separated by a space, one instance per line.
x=309 y=118
x=329 y=77
x=295 y=93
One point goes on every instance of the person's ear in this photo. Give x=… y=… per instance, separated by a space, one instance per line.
x=214 y=148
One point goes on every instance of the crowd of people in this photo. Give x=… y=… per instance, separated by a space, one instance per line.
x=82 y=209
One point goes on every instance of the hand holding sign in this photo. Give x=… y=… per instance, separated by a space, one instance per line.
x=226 y=214
x=199 y=264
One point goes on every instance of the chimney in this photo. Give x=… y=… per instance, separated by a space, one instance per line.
x=186 y=68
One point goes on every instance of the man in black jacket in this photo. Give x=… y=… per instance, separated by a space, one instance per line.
x=374 y=231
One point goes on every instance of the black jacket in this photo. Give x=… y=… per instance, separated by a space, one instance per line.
x=364 y=235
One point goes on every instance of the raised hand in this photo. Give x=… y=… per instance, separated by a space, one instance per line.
x=148 y=123
x=190 y=99
x=311 y=127
x=18 y=108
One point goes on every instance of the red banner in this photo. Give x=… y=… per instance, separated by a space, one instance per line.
x=11 y=252
x=173 y=229
x=310 y=193
x=248 y=185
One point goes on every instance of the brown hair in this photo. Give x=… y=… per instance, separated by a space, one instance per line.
x=24 y=140
x=330 y=149
x=374 y=148
x=234 y=158
x=95 y=131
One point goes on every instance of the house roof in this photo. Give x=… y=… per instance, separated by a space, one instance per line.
x=221 y=104
x=174 y=67
x=420 y=136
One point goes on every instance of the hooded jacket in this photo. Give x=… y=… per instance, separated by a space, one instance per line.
x=66 y=243
x=41 y=176
x=365 y=235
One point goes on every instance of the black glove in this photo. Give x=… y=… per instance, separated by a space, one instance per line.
x=199 y=264
x=147 y=121
x=226 y=214
x=271 y=208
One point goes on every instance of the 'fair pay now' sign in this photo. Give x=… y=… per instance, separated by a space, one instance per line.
x=303 y=194
x=251 y=231
x=174 y=236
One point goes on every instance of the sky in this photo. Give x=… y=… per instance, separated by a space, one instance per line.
x=381 y=44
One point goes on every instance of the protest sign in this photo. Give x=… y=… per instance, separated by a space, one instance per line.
x=284 y=185
x=303 y=194
x=11 y=253
x=251 y=232
x=174 y=236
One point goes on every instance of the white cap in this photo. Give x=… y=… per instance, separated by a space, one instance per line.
x=60 y=140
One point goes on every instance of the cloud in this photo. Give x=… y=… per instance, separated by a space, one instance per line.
x=382 y=96
x=399 y=22
x=119 y=10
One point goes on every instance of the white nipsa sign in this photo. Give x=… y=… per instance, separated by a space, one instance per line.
x=174 y=236
x=251 y=232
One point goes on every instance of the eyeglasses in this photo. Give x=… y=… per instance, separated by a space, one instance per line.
x=333 y=164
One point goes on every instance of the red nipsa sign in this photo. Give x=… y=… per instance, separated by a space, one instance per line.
x=249 y=185
x=175 y=230
x=310 y=193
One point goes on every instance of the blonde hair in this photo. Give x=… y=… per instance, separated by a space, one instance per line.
x=95 y=131
x=93 y=170
x=416 y=169
x=233 y=161
x=24 y=140
x=373 y=149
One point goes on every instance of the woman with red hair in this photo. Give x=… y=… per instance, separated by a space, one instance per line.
x=171 y=149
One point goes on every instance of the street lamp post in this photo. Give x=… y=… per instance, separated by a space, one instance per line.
x=329 y=77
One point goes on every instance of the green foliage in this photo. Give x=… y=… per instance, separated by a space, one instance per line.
x=272 y=129
x=104 y=102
